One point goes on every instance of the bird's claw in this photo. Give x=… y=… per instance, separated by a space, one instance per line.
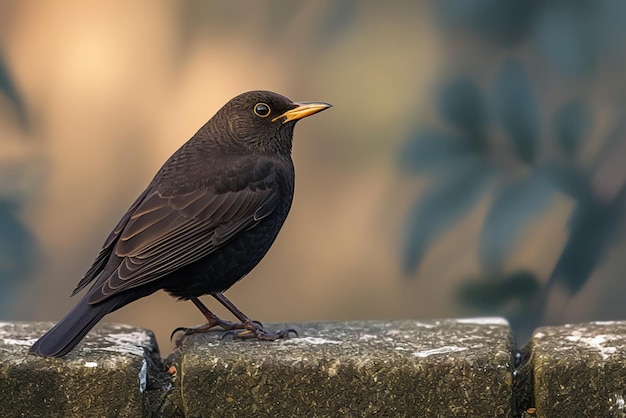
x=230 y=327
x=254 y=329
x=189 y=331
x=184 y=329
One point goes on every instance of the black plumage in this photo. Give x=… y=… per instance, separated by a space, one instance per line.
x=206 y=219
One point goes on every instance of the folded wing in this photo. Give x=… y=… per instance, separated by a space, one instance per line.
x=163 y=232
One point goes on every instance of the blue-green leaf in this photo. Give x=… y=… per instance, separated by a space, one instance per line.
x=566 y=35
x=569 y=179
x=572 y=124
x=431 y=150
x=514 y=204
x=505 y=22
x=491 y=294
x=592 y=227
x=608 y=21
x=462 y=104
x=517 y=110
x=448 y=199
x=19 y=254
x=10 y=91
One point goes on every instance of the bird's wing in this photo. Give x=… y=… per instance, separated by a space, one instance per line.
x=167 y=231
x=107 y=248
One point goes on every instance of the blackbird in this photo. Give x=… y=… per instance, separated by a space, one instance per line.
x=206 y=220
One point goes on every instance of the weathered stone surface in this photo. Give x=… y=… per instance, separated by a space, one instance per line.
x=104 y=376
x=401 y=368
x=580 y=370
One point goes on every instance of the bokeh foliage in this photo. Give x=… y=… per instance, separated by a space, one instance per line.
x=502 y=138
x=19 y=252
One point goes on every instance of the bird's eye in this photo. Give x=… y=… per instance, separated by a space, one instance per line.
x=262 y=110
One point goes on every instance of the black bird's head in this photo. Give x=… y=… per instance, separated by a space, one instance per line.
x=263 y=121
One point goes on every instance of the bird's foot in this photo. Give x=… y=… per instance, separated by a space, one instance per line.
x=253 y=329
x=215 y=322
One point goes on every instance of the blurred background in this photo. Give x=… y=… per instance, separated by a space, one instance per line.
x=473 y=164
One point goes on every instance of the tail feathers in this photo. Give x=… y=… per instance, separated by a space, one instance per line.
x=65 y=335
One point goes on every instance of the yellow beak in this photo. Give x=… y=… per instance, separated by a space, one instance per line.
x=302 y=110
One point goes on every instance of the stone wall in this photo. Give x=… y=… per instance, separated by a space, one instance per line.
x=435 y=368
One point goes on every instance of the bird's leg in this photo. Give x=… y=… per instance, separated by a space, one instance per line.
x=219 y=296
x=213 y=321
x=250 y=329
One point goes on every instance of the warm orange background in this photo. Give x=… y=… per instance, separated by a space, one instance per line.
x=115 y=87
